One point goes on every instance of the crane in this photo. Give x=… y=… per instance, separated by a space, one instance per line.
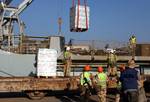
x=8 y=16
x=13 y=12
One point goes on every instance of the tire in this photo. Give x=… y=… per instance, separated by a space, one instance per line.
x=36 y=95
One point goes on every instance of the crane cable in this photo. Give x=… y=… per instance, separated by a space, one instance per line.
x=78 y=14
x=73 y=3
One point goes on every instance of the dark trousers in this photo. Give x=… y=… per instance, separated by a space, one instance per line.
x=85 y=93
x=130 y=96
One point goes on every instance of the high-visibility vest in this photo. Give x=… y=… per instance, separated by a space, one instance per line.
x=84 y=75
x=102 y=80
x=112 y=58
x=67 y=55
x=133 y=40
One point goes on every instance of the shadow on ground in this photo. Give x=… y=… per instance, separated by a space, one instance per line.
x=12 y=95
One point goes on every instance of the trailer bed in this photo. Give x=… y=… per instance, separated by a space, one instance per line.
x=18 y=84
x=37 y=88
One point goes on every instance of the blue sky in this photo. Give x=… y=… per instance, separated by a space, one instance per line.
x=110 y=20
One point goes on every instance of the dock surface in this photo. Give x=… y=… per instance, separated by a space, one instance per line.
x=20 y=97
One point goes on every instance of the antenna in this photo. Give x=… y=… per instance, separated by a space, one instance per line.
x=59 y=24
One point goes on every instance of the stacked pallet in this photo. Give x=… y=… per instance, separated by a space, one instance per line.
x=46 y=62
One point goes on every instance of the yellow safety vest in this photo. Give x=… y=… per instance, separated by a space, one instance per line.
x=102 y=80
x=112 y=58
x=133 y=40
x=85 y=76
x=67 y=55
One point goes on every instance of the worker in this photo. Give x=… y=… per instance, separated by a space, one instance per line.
x=113 y=80
x=132 y=42
x=67 y=61
x=101 y=84
x=86 y=83
x=119 y=93
x=141 y=91
x=132 y=39
x=111 y=62
x=122 y=68
x=129 y=80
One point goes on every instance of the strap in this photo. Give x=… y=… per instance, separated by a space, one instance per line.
x=78 y=14
x=86 y=14
x=73 y=2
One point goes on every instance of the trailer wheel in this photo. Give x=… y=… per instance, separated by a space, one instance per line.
x=36 y=95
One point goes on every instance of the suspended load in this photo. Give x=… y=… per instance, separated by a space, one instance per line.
x=79 y=17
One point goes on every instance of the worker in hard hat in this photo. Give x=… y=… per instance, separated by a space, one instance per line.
x=101 y=84
x=67 y=61
x=132 y=42
x=86 y=83
x=113 y=75
x=132 y=39
x=112 y=62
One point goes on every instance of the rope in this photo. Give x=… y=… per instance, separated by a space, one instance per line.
x=73 y=3
x=86 y=14
x=78 y=14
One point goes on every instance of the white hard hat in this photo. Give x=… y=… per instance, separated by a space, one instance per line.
x=112 y=51
x=68 y=48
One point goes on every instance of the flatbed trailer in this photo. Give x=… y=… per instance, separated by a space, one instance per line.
x=37 y=88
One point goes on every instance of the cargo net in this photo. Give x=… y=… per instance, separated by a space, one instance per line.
x=96 y=47
x=79 y=17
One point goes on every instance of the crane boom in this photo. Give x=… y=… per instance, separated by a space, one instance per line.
x=21 y=7
x=7 y=2
x=13 y=12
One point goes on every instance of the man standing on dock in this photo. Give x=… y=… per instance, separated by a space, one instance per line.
x=86 y=83
x=132 y=42
x=129 y=81
x=112 y=74
x=68 y=62
x=112 y=62
x=101 y=84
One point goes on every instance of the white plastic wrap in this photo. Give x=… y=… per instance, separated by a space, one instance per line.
x=83 y=20
x=46 y=62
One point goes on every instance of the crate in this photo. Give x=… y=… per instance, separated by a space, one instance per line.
x=79 y=22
